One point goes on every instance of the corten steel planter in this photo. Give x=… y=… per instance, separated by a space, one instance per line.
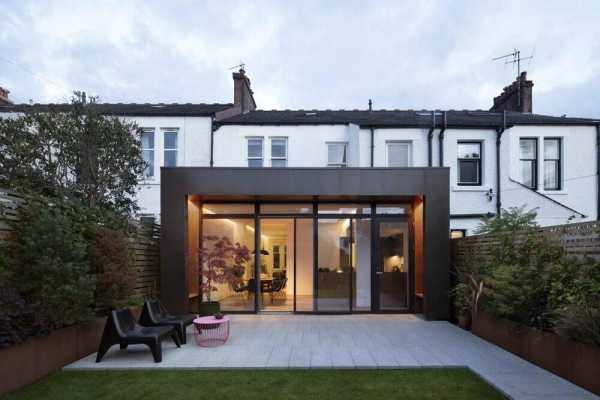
x=574 y=361
x=37 y=357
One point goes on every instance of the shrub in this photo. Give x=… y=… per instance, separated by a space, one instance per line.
x=111 y=259
x=461 y=298
x=575 y=299
x=47 y=264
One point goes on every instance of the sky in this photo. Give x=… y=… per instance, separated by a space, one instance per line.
x=303 y=54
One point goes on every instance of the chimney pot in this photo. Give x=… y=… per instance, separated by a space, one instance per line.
x=243 y=97
x=518 y=96
x=4 y=100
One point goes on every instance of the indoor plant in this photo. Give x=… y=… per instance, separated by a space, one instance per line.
x=220 y=261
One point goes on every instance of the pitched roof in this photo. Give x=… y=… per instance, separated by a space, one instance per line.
x=131 y=109
x=400 y=118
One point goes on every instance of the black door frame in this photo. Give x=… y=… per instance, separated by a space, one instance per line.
x=375 y=219
x=375 y=259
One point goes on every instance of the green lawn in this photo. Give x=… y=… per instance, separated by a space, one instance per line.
x=321 y=384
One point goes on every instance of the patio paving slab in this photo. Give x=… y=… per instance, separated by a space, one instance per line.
x=350 y=341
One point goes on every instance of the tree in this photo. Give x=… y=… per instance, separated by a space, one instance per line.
x=73 y=152
x=220 y=261
x=48 y=265
x=513 y=220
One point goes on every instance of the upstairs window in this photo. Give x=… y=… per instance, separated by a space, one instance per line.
x=170 y=148
x=528 y=161
x=337 y=154
x=399 y=154
x=255 y=152
x=552 y=164
x=469 y=163
x=279 y=152
x=148 y=152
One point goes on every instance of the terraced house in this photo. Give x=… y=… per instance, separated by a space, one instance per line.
x=349 y=210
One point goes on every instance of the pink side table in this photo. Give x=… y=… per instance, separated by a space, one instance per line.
x=211 y=332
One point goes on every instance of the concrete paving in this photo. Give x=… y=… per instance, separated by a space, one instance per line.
x=351 y=341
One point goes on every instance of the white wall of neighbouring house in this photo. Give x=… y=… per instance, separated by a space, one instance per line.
x=471 y=199
x=578 y=173
x=193 y=149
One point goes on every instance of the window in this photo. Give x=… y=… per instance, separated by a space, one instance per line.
x=279 y=152
x=469 y=163
x=276 y=257
x=552 y=172
x=528 y=161
x=148 y=152
x=337 y=154
x=458 y=233
x=170 y=148
x=255 y=152
x=399 y=154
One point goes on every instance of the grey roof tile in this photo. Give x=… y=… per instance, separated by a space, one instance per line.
x=399 y=118
x=131 y=109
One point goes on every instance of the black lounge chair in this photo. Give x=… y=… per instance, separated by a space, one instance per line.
x=121 y=328
x=155 y=314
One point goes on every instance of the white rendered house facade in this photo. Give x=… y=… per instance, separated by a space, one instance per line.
x=562 y=184
x=497 y=159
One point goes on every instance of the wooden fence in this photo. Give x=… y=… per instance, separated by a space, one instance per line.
x=144 y=242
x=578 y=240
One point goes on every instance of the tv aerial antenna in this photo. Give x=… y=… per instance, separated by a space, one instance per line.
x=515 y=58
x=241 y=66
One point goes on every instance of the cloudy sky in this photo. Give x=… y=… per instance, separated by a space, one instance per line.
x=321 y=54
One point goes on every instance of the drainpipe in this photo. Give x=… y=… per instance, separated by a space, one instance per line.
x=444 y=125
x=429 y=140
x=597 y=172
x=212 y=140
x=499 y=132
x=372 y=137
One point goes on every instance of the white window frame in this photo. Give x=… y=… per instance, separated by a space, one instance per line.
x=176 y=149
x=338 y=165
x=262 y=150
x=390 y=143
x=285 y=156
x=153 y=150
x=559 y=163
x=479 y=161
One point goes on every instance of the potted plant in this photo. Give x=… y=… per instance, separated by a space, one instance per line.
x=220 y=261
x=461 y=298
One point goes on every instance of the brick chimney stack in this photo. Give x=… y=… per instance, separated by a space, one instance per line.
x=515 y=97
x=242 y=94
x=4 y=100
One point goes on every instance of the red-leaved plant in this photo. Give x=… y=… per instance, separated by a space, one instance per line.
x=220 y=261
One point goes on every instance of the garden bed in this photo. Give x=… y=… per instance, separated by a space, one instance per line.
x=37 y=357
x=574 y=361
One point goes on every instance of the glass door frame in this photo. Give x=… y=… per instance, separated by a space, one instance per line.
x=294 y=218
x=375 y=220
x=375 y=259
